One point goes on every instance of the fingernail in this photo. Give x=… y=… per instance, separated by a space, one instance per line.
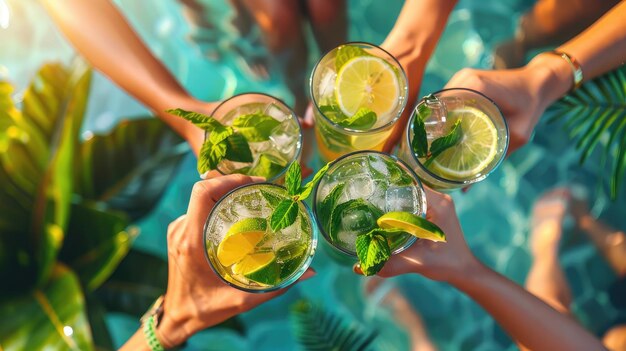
x=357 y=268
x=257 y=179
x=204 y=175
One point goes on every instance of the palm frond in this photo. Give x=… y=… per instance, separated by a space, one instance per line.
x=596 y=114
x=318 y=329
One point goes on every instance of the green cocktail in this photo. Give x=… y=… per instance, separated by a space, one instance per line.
x=244 y=251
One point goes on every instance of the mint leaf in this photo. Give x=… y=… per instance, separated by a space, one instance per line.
x=333 y=113
x=284 y=215
x=445 y=142
x=255 y=127
x=363 y=119
x=306 y=190
x=293 y=179
x=272 y=200
x=363 y=217
x=345 y=53
x=420 y=141
x=237 y=148
x=210 y=156
x=220 y=134
x=397 y=174
x=203 y=121
x=329 y=203
x=373 y=251
x=267 y=166
x=423 y=111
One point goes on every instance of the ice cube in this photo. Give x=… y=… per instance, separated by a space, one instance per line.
x=359 y=187
x=378 y=165
x=379 y=195
x=284 y=143
x=401 y=199
x=347 y=239
x=276 y=112
x=358 y=220
x=326 y=85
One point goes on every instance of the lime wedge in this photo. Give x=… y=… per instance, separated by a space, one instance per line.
x=475 y=151
x=259 y=267
x=240 y=240
x=412 y=224
x=367 y=81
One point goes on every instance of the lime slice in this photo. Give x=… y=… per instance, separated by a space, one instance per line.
x=475 y=151
x=240 y=240
x=367 y=81
x=412 y=224
x=259 y=267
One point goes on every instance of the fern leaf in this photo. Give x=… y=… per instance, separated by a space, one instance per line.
x=318 y=329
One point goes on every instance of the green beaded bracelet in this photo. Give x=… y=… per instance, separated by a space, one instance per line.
x=150 y=334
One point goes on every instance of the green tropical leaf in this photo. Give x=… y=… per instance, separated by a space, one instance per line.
x=132 y=288
x=129 y=168
x=42 y=319
x=596 y=110
x=96 y=315
x=318 y=329
x=95 y=243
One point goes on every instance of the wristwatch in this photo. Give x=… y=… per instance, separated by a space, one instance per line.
x=149 y=322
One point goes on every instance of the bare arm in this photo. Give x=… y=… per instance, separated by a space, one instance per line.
x=602 y=46
x=525 y=318
x=412 y=41
x=101 y=34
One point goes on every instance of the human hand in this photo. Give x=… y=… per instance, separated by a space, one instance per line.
x=196 y=297
x=414 y=65
x=522 y=94
x=435 y=260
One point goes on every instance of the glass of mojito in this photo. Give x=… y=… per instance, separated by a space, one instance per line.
x=454 y=138
x=359 y=92
x=357 y=190
x=270 y=129
x=243 y=250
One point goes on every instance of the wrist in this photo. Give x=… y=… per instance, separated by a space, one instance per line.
x=173 y=330
x=466 y=274
x=553 y=74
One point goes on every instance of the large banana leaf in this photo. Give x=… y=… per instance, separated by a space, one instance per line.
x=37 y=147
x=50 y=318
x=129 y=168
x=596 y=114
x=317 y=329
x=95 y=243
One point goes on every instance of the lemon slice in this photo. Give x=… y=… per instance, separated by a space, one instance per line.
x=367 y=81
x=475 y=151
x=240 y=240
x=412 y=224
x=259 y=267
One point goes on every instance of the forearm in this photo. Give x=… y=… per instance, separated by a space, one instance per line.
x=420 y=24
x=137 y=342
x=526 y=318
x=601 y=47
x=102 y=35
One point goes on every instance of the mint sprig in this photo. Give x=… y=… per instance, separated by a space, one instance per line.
x=232 y=143
x=255 y=127
x=363 y=119
x=419 y=144
x=286 y=212
x=373 y=251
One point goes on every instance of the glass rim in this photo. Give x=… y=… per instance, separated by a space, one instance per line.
x=306 y=263
x=453 y=181
x=356 y=131
x=412 y=239
x=298 y=152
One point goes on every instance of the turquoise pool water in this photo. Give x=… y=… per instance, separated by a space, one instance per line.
x=497 y=234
